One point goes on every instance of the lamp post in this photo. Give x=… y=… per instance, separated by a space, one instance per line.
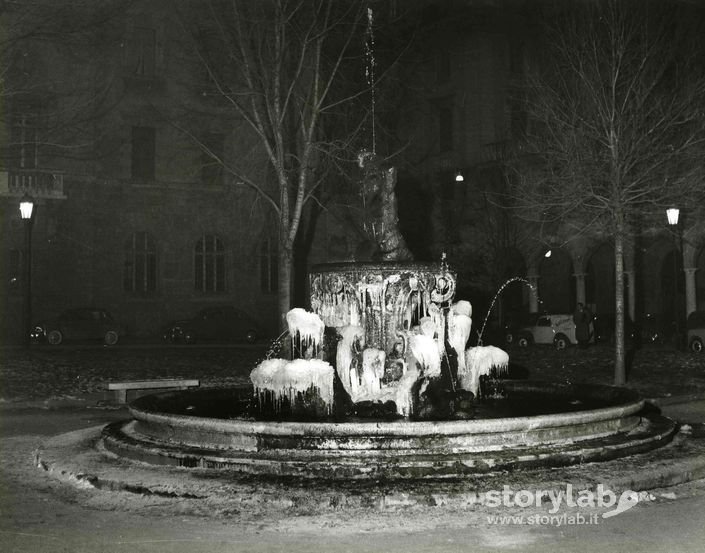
x=673 y=215
x=26 y=212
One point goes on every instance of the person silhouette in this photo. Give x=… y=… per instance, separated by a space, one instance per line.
x=582 y=317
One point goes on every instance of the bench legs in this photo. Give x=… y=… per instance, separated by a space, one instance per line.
x=121 y=395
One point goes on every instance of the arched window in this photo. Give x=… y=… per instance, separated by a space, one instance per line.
x=209 y=264
x=140 y=273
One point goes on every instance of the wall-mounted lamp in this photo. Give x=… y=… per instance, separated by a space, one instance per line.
x=459 y=176
x=548 y=253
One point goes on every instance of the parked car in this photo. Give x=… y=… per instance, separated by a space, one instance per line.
x=222 y=323
x=696 y=331
x=84 y=323
x=514 y=323
x=556 y=329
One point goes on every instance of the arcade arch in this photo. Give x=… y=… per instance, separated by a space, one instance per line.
x=556 y=284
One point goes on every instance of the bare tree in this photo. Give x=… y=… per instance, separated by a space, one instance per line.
x=52 y=87
x=615 y=123
x=279 y=68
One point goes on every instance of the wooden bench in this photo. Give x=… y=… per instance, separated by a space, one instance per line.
x=120 y=388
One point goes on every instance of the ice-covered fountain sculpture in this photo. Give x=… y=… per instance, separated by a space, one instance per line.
x=396 y=342
x=389 y=332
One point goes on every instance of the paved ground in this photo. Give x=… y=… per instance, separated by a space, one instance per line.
x=46 y=391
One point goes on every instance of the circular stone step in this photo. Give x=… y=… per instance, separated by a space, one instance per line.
x=162 y=434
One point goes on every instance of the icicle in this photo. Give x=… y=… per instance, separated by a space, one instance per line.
x=262 y=376
x=425 y=350
x=345 y=354
x=307 y=327
x=369 y=386
x=459 y=325
x=403 y=397
x=480 y=361
x=285 y=379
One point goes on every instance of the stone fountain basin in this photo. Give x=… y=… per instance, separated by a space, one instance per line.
x=162 y=432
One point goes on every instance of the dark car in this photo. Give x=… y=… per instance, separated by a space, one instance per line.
x=84 y=323
x=222 y=323
x=696 y=331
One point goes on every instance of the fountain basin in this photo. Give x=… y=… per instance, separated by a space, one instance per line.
x=606 y=423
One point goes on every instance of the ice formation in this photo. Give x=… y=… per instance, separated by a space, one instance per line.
x=286 y=379
x=425 y=350
x=459 y=325
x=380 y=303
x=462 y=307
x=306 y=330
x=351 y=338
x=262 y=375
x=403 y=397
x=393 y=323
x=480 y=361
x=368 y=384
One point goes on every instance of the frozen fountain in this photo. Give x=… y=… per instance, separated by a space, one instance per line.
x=377 y=382
x=381 y=337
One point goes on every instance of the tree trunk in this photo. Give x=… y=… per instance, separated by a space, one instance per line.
x=286 y=259
x=620 y=375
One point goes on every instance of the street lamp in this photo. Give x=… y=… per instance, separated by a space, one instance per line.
x=459 y=176
x=26 y=212
x=673 y=214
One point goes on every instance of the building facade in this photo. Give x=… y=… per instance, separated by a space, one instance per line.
x=472 y=61
x=131 y=214
x=114 y=132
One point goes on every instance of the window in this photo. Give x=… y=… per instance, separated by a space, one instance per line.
x=141 y=52
x=143 y=153
x=445 y=128
x=212 y=169
x=140 y=264
x=209 y=264
x=24 y=150
x=269 y=266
